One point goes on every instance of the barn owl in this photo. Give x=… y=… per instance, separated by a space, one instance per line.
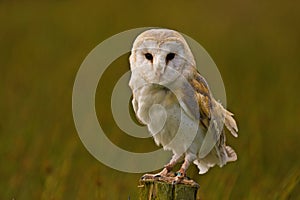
x=171 y=97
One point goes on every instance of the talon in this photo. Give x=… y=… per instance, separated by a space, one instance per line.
x=164 y=172
x=157 y=175
x=177 y=180
x=148 y=176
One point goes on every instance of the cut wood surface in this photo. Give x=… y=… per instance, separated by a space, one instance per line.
x=165 y=190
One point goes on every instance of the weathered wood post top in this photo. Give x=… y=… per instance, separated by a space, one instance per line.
x=164 y=189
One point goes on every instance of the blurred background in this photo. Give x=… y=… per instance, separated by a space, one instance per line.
x=255 y=45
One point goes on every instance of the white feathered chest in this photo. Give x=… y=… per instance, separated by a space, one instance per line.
x=159 y=109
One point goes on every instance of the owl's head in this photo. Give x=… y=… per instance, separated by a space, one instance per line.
x=160 y=56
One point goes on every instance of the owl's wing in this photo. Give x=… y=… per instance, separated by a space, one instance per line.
x=135 y=108
x=196 y=99
x=209 y=108
x=212 y=115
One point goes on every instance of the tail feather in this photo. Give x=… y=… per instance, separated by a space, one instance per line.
x=230 y=123
x=228 y=118
x=231 y=155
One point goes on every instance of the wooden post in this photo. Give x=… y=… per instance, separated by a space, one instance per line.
x=164 y=190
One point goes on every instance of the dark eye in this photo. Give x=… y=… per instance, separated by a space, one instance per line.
x=148 y=56
x=170 y=56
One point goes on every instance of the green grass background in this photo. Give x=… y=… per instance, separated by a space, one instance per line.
x=255 y=45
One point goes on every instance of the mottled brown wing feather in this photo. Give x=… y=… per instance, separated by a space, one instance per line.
x=212 y=116
x=209 y=108
x=203 y=97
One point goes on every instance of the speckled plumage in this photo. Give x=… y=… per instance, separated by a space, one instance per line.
x=171 y=97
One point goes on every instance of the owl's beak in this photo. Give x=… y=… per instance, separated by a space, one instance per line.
x=158 y=74
x=159 y=70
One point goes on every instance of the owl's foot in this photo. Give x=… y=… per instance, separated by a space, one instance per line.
x=180 y=176
x=181 y=173
x=170 y=177
x=149 y=177
x=164 y=173
x=184 y=180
